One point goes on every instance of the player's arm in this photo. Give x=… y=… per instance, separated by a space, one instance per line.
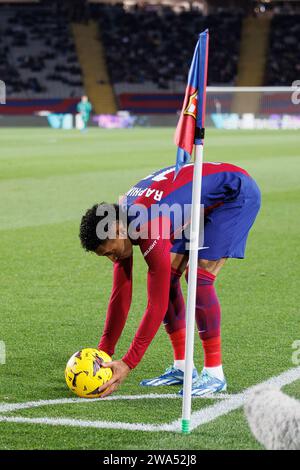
x=119 y=305
x=158 y=286
x=156 y=252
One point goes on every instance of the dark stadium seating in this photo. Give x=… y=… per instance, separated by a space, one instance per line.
x=38 y=53
x=143 y=47
x=283 y=63
x=157 y=46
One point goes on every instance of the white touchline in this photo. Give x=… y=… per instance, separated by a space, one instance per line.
x=198 y=418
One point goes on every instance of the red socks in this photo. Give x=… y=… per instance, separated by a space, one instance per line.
x=178 y=343
x=212 y=352
x=208 y=317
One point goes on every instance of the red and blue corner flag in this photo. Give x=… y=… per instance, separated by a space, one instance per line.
x=190 y=128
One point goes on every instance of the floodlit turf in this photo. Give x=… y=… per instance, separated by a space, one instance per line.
x=54 y=295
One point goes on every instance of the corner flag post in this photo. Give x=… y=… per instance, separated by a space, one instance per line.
x=190 y=131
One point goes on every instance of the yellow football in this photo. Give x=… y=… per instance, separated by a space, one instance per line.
x=84 y=372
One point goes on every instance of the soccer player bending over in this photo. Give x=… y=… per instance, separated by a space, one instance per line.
x=231 y=200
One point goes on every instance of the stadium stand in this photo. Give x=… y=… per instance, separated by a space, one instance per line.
x=283 y=63
x=39 y=57
x=145 y=53
x=157 y=46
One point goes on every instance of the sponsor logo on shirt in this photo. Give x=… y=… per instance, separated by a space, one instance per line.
x=153 y=245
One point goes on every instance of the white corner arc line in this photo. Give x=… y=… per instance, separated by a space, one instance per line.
x=198 y=418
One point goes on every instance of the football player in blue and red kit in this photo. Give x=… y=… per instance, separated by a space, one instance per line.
x=231 y=201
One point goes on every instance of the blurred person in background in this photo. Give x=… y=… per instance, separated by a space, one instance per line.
x=84 y=108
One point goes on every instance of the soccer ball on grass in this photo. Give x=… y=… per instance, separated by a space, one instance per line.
x=84 y=372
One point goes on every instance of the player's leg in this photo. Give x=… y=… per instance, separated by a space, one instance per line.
x=85 y=122
x=208 y=315
x=225 y=236
x=174 y=323
x=208 y=319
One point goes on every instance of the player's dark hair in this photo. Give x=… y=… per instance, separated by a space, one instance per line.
x=87 y=233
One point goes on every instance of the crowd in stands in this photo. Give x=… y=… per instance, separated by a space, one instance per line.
x=145 y=45
x=142 y=44
x=283 y=63
x=73 y=10
x=38 y=52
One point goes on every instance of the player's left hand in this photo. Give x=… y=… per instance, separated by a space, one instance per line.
x=120 y=371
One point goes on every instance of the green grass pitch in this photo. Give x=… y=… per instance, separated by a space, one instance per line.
x=54 y=295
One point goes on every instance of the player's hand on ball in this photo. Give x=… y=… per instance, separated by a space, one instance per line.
x=120 y=371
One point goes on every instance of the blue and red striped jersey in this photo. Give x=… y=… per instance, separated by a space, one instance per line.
x=221 y=182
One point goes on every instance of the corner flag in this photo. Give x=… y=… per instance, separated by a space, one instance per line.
x=190 y=128
x=190 y=131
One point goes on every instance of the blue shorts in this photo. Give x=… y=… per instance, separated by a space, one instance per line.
x=227 y=227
